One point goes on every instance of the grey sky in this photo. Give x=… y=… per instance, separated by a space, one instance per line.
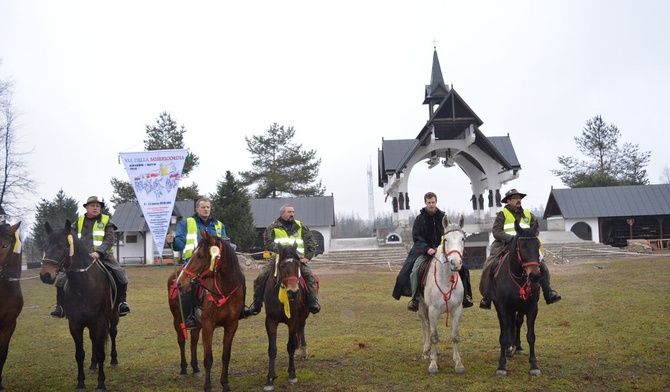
x=90 y=75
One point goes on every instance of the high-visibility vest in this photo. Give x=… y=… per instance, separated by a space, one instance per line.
x=98 y=230
x=509 y=221
x=192 y=235
x=282 y=237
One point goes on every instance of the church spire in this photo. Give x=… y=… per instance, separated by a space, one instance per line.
x=436 y=90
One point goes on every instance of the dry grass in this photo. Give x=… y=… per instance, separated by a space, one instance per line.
x=610 y=332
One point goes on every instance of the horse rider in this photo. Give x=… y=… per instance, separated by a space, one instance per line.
x=427 y=234
x=186 y=239
x=96 y=232
x=503 y=232
x=286 y=230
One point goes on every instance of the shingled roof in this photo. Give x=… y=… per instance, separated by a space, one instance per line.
x=609 y=201
x=312 y=211
x=128 y=216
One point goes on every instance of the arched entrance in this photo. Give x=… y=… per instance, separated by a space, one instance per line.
x=582 y=230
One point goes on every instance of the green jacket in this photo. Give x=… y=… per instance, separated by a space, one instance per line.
x=309 y=242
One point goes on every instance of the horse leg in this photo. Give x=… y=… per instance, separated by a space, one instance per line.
x=207 y=335
x=5 y=336
x=228 y=335
x=530 y=336
x=113 y=331
x=517 y=334
x=271 y=329
x=506 y=325
x=98 y=335
x=78 y=337
x=425 y=329
x=304 y=354
x=434 y=339
x=195 y=338
x=290 y=348
x=456 y=313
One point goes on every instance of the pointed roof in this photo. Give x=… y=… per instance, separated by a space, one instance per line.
x=436 y=90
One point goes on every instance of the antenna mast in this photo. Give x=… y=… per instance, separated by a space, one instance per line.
x=371 y=197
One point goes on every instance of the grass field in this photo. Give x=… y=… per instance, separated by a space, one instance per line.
x=610 y=332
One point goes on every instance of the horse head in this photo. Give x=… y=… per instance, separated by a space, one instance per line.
x=526 y=250
x=203 y=261
x=9 y=245
x=287 y=269
x=58 y=248
x=453 y=243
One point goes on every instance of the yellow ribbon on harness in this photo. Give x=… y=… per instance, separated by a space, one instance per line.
x=70 y=241
x=17 y=244
x=283 y=298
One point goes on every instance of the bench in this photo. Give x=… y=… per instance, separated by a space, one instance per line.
x=133 y=260
x=658 y=243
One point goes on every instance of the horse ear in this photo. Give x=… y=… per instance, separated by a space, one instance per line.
x=517 y=227
x=461 y=222
x=68 y=225
x=445 y=222
x=48 y=228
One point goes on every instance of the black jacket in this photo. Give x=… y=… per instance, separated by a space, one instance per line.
x=426 y=234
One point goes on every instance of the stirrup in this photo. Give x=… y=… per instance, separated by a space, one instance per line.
x=124 y=309
x=57 y=311
x=191 y=323
x=314 y=308
x=413 y=305
x=485 y=303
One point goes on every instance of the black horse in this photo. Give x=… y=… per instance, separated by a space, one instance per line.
x=88 y=301
x=11 y=297
x=515 y=294
x=284 y=299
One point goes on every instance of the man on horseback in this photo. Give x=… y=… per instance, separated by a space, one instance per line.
x=286 y=230
x=186 y=239
x=96 y=231
x=427 y=235
x=503 y=232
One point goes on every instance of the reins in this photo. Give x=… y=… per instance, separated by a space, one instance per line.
x=525 y=288
x=202 y=278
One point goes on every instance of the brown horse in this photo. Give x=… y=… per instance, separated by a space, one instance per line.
x=180 y=328
x=11 y=297
x=284 y=299
x=215 y=271
x=88 y=301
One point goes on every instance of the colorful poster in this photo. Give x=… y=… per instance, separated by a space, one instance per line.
x=155 y=175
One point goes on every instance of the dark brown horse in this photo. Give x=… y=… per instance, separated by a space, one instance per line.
x=180 y=328
x=215 y=270
x=88 y=301
x=284 y=299
x=11 y=297
x=515 y=294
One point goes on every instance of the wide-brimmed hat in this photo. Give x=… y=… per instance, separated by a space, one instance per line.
x=512 y=192
x=94 y=199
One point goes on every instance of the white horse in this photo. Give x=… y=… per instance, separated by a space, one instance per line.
x=443 y=293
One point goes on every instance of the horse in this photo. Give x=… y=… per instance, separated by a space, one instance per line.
x=443 y=292
x=180 y=329
x=215 y=270
x=10 y=288
x=284 y=300
x=515 y=294
x=88 y=301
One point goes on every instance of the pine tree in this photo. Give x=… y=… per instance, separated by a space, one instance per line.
x=56 y=212
x=230 y=204
x=280 y=167
x=608 y=164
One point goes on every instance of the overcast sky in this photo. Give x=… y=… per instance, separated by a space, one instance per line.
x=90 y=75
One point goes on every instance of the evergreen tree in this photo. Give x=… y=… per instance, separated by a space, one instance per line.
x=55 y=212
x=608 y=164
x=164 y=135
x=231 y=205
x=281 y=168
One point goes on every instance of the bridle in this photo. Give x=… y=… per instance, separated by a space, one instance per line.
x=60 y=264
x=199 y=279
x=281 y=279
x=446 y=254
x=525 y=288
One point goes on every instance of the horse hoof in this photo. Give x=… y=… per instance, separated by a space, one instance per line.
x=520 y=352
x=460 y=370
x=535 y=372
x=501 y=372
x=197 y=374
x=432 y=372
x=293 y=380
x=182 y=376
x=269 y=388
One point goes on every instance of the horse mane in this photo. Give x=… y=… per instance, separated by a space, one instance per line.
x=228 y=253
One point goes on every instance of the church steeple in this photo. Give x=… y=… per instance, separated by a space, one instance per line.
x=436 y=90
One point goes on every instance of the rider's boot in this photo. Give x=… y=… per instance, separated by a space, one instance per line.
x=465 y=277
x=257 y=304
x=57 y=310
x=187 y=310
x=313 y=303
x=124 y=309
x=550 y=295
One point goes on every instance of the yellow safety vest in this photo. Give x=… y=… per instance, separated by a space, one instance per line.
x=98 y=231
x=282 y=237
x=509 y=221
x=192 y=236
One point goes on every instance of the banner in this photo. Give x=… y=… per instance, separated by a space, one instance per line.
x=155 y=175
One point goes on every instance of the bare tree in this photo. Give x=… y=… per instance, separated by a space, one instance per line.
x=665 y=175
x=14 y=177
